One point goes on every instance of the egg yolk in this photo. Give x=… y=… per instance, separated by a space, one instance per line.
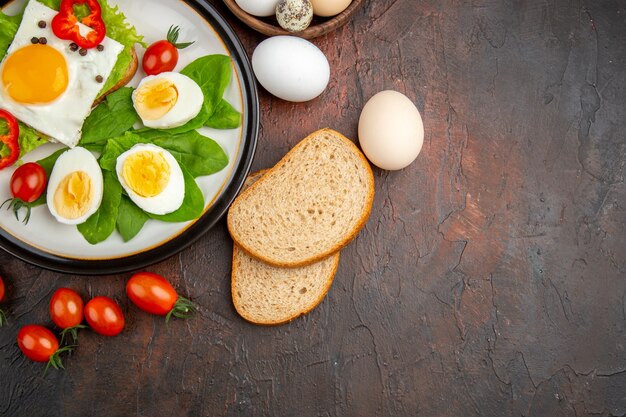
x=146 y=173
x=35 y=74
x=155 y=98
x=73 y=196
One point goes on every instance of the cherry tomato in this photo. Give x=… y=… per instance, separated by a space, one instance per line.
x=104 y=316
x=66 y=308
x=162 y=55
x=154 y=294
x=37 y=343
x=28 y=182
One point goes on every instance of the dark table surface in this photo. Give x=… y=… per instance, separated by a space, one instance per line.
x=490 y=279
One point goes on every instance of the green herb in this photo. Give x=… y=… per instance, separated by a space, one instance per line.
x=199 y=154
x=101 y=224
x=212 y=73
x=130 y=219
x=111 y=118
x=225 y=117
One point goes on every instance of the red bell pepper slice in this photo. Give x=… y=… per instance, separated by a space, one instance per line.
x=64 y=23
x=10 y=139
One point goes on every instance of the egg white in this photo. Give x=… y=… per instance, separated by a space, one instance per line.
x=172 y=196
x=61 y=119
x=188 y=105
x=72 y=160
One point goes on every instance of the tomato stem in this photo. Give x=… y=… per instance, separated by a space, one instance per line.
x=16 y=205
x=55 y=358
x=172 y=37
x=73 y=332
x=183 y=309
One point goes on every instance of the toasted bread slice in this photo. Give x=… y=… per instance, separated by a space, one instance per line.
x=128 y=75
x=268 y=295
x=308 y=206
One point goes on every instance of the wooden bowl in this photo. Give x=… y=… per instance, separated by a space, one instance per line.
x=319 y=26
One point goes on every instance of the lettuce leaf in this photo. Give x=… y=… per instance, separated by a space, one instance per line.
x=8 y=29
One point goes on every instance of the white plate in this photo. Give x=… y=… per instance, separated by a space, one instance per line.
x=47 y=243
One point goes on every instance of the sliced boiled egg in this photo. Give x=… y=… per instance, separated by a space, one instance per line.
x=152 y=178
x=167 y=100
x=75 y=186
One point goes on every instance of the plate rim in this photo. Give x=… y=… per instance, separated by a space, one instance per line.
x=211 y=216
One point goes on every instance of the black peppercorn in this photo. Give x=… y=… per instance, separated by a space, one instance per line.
x=43 y=40
x=82 y=51
x=99 y=78
x=41 y=24
x=34 y=41
x=100 y=47
x=73 y=47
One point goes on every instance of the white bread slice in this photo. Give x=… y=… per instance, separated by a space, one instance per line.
x=268 y=295
x=311 y=204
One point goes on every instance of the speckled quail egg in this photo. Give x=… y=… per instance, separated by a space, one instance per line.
x=75 y=187
x=152 y=178
x=294 y=15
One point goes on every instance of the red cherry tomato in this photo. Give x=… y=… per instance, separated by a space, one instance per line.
x=162 y=56
x=37 y=343
x=104 y=316
x=28 y=182
x=66 y=308
x=154 y=294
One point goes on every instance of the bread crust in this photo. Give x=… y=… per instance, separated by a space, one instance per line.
x=244 y=315
x=128 y=75
x=340 y=244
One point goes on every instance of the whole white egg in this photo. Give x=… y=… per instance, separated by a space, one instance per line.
x=75 y=186
x=391 y=132
x=167 y=100
x=152 y=178
x=291 y=68
x=258 y=7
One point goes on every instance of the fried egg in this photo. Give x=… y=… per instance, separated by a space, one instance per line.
x=167 y=100
x=47 y=85
x=152 y=178
x=75 y=186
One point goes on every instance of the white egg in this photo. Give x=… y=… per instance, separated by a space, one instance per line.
x=75 y=186
x=167 y=100
x=152 y=178
x=258 y=7
x=291 y=68
x=48 y=86
x=391 y=132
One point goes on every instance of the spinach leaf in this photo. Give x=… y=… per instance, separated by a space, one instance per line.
x=48 y=162
x=199 y=154
x=130 y=219
x=193 y=203
x=111 y=118
x=225 y=117
x=115 y=147
x=101 y=224
x=212 y=73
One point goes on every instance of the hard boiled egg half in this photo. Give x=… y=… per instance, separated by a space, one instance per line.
x=152 y=178
x=167 y=100
x=75 y=186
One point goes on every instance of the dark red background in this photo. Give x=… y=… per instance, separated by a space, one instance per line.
x=490 y=279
